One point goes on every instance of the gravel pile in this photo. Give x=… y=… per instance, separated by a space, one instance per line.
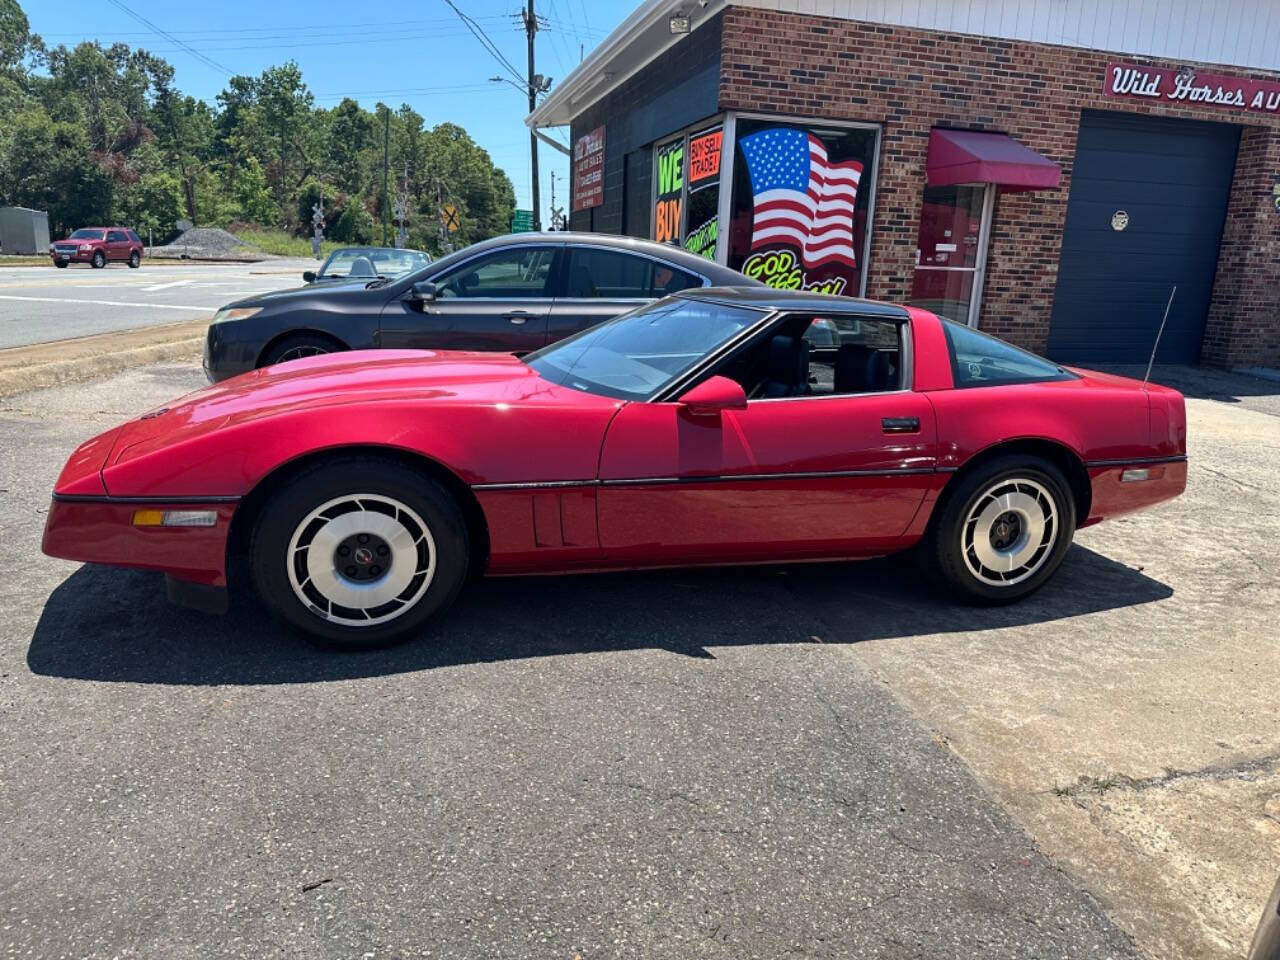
x=208 y=243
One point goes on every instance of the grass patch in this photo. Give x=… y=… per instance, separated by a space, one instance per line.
x=280 y=243
x=22 y=261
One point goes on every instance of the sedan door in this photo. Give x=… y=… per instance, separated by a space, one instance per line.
x=600 y=284
x=499 y=300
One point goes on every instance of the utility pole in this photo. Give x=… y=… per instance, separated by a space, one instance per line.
x=553 y=200
x=530 y=29
x=386 y=168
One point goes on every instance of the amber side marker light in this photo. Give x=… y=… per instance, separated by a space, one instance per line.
x=174 y=518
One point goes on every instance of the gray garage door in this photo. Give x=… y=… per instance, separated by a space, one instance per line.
x=1170 y=180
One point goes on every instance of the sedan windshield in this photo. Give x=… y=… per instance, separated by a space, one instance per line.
x=639 y=353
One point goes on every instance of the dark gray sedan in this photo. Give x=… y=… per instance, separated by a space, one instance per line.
x=513 y=293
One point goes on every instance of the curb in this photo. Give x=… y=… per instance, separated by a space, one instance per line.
x=24 y=369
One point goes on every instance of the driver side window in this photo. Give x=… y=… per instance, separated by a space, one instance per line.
x=518 y=273
x=814 y=356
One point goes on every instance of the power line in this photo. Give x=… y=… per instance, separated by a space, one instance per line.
x=478 y=32
x=191 y=50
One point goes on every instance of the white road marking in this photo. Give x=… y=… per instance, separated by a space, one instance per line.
x=112 y=303
x=166 y=286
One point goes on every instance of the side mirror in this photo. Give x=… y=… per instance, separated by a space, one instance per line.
x=424 y=291
x=309 y=276
x=714 y=395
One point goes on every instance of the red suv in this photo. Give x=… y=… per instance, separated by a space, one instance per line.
x=97 y=245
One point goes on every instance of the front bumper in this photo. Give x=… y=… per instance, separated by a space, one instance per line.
x=77 y=257
x=101 y=530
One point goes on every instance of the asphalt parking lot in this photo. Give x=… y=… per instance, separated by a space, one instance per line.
x=818 y=761
x=42 y=304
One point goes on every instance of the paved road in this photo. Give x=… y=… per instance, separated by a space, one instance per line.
x=39 y=304
x=683 y=765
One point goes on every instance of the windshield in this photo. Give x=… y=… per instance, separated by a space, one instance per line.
x=636 y=355
x=373 y=263
x=84 y=234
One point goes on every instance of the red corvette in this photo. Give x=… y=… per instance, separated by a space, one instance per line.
x=734 y=425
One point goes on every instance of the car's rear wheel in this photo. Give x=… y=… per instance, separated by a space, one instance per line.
x=295 y=348
x=1003 y=531
x=99 y=259
x=135 y=259
x=360 y=552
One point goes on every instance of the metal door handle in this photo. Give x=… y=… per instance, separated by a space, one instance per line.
x=900 y=424
x=518 y=316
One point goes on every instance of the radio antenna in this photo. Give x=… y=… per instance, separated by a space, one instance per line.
x=1151 y=362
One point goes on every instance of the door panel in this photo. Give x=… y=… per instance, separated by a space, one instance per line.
x=499 y=301
x=801 y=477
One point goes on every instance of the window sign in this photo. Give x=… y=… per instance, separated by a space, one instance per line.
x=669 y=197
x=799 y=210
x=703 y=203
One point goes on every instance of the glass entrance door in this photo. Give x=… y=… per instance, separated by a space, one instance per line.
x=951 y=251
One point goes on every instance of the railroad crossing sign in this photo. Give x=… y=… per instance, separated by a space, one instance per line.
x=522 y=222
x=449 y=218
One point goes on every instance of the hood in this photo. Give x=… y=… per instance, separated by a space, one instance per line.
x=355 y=289
x=360 y=376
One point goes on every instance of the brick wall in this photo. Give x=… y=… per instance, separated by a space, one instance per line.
x=912 y=80
x=1243 y=329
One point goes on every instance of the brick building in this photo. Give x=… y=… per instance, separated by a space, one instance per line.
x=967 y=157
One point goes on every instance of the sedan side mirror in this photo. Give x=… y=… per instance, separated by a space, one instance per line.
x=424 y=291
x=714 y=395
x=309 y=276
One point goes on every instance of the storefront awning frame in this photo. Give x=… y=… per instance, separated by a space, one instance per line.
x=975 y=156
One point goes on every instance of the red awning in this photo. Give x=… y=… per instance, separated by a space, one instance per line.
x=968 y=156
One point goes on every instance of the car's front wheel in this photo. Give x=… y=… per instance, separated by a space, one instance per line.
x=1003 y=531
x=360 y=552
x=99 y=259
x=295 y=348
x=60 y=264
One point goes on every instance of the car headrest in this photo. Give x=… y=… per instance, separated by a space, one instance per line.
x=362 y=267
x=789 y=360
x=861 y=369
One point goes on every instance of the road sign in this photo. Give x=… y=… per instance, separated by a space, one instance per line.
x=449 y=218
x=522 y=222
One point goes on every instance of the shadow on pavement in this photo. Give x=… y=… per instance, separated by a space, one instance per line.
x=114 y=625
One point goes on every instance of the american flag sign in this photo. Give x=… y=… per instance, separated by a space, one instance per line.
x=800 y=198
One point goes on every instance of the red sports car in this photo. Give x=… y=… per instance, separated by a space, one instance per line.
x=722 y=425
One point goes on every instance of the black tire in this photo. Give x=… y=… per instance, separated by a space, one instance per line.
x=99 y=259
x=60 y=264
x=297 y=347
x=281 y=570
x=971 y=524
x=135 y=260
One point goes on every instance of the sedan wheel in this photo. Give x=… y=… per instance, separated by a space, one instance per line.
x=359 y=552
x=302 y=350
x=1001 y=530
x=297 y=347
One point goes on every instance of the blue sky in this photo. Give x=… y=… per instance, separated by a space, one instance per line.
x=424 y=57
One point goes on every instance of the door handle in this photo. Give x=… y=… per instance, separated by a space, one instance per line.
x=518 y=316
x=900 y=424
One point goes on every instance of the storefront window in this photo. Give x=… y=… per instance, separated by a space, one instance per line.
x=668 y=191
x=949 y=251
x=702 y=216
x=801 y=196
